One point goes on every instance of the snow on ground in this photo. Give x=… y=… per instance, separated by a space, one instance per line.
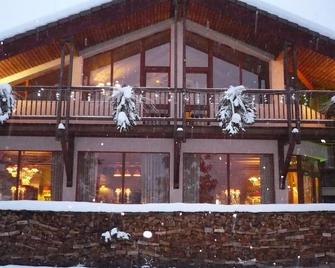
x=166 y=207
x=21 y=15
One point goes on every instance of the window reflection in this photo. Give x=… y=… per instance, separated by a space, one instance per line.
x=250 y=179
x=196 y=58
x=205 y=178
x=249 y=79
x=97 y=70
x=100 y=76
x=127 y=71
x=130 y=178
x=157 y=80
x=194 y=80
x=158 y=56
x=225 y=74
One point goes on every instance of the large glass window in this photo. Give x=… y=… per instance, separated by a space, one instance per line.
x=303 y=180
x=157 y=80
x=196 y=58
x=31 y=175
x=225 y=74
x=144 y=62
x=127 y=71
x=228 y=179
x=130 y=178
x=223 y=65
x=158 y=56
x=97 y=70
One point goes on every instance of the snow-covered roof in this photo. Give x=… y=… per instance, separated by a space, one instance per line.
x=316 y=16
x=22 y=16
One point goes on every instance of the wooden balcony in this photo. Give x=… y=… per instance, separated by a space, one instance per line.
x=162 y=106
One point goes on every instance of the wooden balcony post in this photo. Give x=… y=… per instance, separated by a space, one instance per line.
x=290 y=78
x=63 y=134
x=59 y=91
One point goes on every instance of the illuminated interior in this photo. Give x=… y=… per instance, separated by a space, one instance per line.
x=34 y=182
x=228 y=179
x=130 y=178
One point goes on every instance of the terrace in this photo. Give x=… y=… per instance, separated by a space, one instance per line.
x=168 y=106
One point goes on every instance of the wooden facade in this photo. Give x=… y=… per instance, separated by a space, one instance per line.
x=230 y=31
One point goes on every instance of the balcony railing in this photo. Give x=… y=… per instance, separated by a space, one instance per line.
x=158 y=105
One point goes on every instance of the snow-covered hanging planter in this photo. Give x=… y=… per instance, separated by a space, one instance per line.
x=7 y=102
x=235 y=110
x=125 y=113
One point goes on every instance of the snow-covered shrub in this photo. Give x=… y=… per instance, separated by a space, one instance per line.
x=235 y=110
x=7 y=102
x=115 y=233
x=124 y=107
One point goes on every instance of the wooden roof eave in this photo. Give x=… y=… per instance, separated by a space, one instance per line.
x=72 y=25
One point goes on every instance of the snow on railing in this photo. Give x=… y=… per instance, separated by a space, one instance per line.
x=165 y=104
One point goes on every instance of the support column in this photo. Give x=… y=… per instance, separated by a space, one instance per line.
x=63 y=112
x=292 y=106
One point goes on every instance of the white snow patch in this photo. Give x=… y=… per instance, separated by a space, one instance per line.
x=67 y=206
x=295 y=130
x=22 y=16
x=314 y=15
x=115 y=233
x=61 y=126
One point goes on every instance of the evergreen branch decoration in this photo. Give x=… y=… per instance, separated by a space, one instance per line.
x=7 y=102
x=124 y=107
x=235 y=110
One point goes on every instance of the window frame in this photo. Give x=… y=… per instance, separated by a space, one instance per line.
x=123 y=169
x=228 y=171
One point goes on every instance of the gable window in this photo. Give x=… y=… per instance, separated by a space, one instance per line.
x=145 y=62
x=127 y=71
x=221 y=66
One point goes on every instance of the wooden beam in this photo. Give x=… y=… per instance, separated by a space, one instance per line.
x=176 y=163
x=285 y=167
x=126 y=39
x=229 y=41
x=67 y=144
x=75 y=24
x=34 y=71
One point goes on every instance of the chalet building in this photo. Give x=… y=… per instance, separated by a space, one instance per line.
x=180 y=57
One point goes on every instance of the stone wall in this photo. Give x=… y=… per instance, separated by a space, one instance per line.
x=179 y=239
